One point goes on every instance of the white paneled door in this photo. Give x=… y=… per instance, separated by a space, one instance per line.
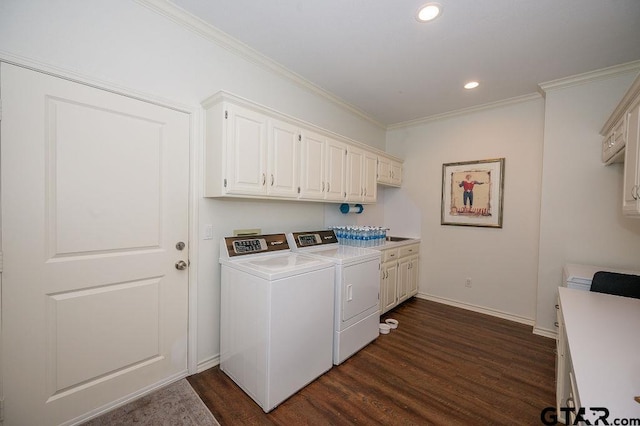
x=94 y=203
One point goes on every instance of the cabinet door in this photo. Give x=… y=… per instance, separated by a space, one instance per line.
x=384 y=170
x=355 y=185
x=631 y=197
x=312 y=166
x=396 y=173
x=413 y=281
x=282 y=176
x=370 y=166
x=246 y=152
x=388 y=290
x=335 y=170
x=404 y=277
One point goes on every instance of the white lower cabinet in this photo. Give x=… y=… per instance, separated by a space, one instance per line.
x=399 y=275
x=388 y=285
x=562 y=364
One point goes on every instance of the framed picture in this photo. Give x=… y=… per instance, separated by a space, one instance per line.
x=472 y=193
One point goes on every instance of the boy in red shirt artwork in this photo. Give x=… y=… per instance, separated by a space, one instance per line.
x=467 y=186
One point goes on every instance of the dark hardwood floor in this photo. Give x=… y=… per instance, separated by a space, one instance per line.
x=441 y=366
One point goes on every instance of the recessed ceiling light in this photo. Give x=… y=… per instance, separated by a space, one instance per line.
x=471 y=85
x=429 y=12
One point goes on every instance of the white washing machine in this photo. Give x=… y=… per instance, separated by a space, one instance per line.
x=357 y=289
x=276 y=324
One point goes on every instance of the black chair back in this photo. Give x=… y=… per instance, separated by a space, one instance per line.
x=617 y=284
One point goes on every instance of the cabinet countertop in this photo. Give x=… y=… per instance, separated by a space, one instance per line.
x=394 y=244
x=604 y=343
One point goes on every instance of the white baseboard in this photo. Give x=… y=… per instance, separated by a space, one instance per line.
x=552 y=334
x=208 y=363
x=476 y=308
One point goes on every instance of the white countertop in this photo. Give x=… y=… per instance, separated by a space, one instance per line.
x=603 y=332
x=394 y=244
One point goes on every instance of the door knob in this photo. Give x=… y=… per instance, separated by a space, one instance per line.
x=181 y=264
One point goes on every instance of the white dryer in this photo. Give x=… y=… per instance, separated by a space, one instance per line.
x=276 y=322
x=357 y=289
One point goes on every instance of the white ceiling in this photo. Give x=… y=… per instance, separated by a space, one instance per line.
x=375 y=56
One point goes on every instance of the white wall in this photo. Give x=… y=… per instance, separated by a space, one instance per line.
x=502 y=263
x=581 y=219
x=125 y=44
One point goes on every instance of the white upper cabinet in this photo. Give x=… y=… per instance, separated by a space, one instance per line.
x=335 y=170
x=355 y=184
x=631 y=197
x=313 y=156
x=251 y=151
x=323 y=164
x=260 y=154
x=361 y=175
x=369 y=177
x=246 y=147
x=283 y=159
x=622 y=141
x=389 y=171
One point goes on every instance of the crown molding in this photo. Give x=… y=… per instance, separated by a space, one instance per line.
x=185 y=19
x=587 y=77
x=465 y=111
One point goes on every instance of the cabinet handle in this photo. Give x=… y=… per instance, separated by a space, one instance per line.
x=271 y=179
x=634 y=192
x=557 y=306
x=264 y=179
x=328 y=187
x=556 y=323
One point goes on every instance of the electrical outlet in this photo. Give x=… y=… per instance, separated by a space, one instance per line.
x=467 y=283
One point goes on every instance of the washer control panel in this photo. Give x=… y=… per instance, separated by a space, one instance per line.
x=239 y=246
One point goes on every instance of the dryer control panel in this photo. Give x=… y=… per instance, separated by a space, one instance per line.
x=314 y=238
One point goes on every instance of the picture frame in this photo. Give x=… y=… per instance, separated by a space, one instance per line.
x=472 y=193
